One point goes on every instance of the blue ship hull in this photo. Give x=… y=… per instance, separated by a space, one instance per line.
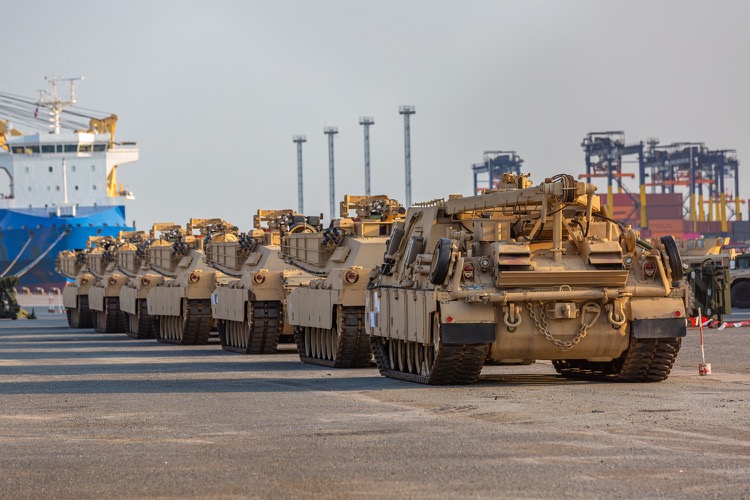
x=17 y=226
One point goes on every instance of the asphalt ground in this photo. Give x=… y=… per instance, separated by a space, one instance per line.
x=86 y=415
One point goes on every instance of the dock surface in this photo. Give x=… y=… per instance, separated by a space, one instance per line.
x=86 y=415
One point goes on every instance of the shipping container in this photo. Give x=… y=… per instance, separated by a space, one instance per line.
x=618 y=199
x=688 y=227
x=709 y=228
x=623 y=212
x=664 y=212
x=661 y=200
x=661 y=227
x=659 y=234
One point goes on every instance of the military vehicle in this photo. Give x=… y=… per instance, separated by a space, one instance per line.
x=249 y=309
x=73 y=265
x=707 y=262
x=131 y=260
x=327 y=313
x=104 y=294
x=740 y=276
x=522 y=273
x=180 y=306
x=9 y=307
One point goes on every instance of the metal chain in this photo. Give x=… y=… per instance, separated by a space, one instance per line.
x=540 y=320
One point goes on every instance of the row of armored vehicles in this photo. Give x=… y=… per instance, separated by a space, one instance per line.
x=429 y=294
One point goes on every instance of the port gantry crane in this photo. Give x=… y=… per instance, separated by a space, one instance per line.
x=495 y=164
x=662 y=167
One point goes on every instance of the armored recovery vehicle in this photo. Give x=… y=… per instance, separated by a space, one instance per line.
x=249 y=309
x=131 y=260
x=524 y=273
x=180 y=306
x=327 y=313
x=104 y=294
x=73 y=265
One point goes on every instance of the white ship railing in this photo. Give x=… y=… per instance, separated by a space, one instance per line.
x=10 y=203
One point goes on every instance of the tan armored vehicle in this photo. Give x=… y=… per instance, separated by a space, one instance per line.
x=328 y=313
x=249 y=309
x=73 y=265
x=707 y=266
x=131 y=260
x=181 y=305
x=104 y=294
x=524 y=273
x=740 y=276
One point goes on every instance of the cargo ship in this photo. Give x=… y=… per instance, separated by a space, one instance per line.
x=61 y=182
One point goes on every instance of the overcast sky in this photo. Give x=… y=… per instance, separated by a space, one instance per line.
x=214 y=91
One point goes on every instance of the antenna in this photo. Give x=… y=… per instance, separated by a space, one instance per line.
x=53 y=102
x=299 y=139
x=407 y=111
x=366 y=121
x=330 y=132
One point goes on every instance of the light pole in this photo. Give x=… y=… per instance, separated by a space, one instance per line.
x=330 y=132
x=299 y=139
x=366 y=121
x=407 y=111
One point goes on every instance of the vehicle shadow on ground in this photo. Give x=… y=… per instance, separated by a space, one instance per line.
x=140 y=350
x=245 y=364
x=52 y=334
x=315 y=382
x=15 y=327
x=526 y=379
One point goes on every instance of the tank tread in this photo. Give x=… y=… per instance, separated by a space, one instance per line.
x=454 y=364
x=112 y=319
x=81 y=316
x=352 y=348
x=140 y=324
x=199 y=322
x=192 y=327
x=645 y=360
x=261 y=335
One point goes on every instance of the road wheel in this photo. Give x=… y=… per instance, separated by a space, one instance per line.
x=441 y=262
x=741 y=295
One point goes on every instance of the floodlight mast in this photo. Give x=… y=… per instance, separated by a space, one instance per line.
x=330 y=132
x=299 y=139
x=366 y=121
x=407 y=111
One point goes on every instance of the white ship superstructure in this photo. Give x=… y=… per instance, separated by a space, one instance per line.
x=64 y=170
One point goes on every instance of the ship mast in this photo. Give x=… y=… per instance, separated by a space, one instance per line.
x=53 y=102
